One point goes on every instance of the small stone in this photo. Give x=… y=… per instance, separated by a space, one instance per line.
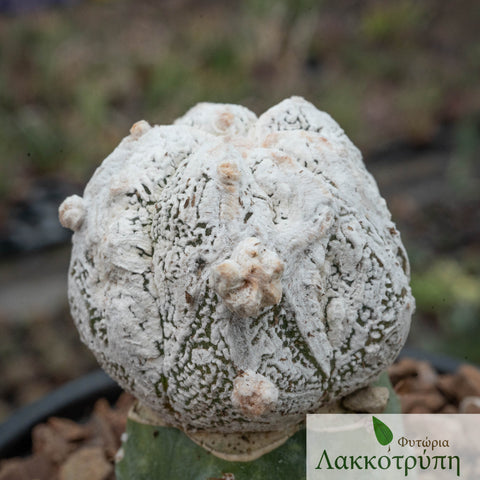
x=36 y=467
x=123 y=405
x=470 y=405
x=468 y=381
x=465 y=383
x=86 y=464
x=432 y=401
x=447 y=384
x=48 y=442
x=109 y=426
x=426 y=375
x=68 y=429
x=406 y=367
x=414 y=384
x=369 y=400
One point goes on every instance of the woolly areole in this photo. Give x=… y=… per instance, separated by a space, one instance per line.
x=235 y=273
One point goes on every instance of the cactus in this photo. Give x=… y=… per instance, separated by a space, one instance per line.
x=235 y=273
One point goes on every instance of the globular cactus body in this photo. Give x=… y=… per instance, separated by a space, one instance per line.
x=235 y=273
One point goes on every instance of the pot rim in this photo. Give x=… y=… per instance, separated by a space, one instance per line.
x=72 y=400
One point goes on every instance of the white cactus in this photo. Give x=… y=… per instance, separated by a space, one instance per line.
x=236 y=273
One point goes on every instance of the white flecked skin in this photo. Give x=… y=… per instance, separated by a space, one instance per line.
x=225 y=256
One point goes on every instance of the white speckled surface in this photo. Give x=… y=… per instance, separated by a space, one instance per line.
x=227 y=244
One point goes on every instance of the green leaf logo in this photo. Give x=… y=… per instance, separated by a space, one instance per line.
x=382 y=432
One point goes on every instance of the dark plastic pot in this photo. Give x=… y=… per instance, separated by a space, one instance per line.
x=75 y=400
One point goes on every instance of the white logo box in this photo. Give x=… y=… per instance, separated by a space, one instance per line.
x=393 y=446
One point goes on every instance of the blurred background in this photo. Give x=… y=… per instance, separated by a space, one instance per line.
x=401 y=77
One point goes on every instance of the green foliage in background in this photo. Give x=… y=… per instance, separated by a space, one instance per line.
x=72 y=81
x=448 y=292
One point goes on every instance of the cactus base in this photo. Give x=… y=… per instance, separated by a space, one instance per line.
x=166 y=453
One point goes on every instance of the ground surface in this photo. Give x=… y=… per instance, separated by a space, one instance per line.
x=63 y=448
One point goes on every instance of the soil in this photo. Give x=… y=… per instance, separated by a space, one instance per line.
x=422 y=390
x=67 y=450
